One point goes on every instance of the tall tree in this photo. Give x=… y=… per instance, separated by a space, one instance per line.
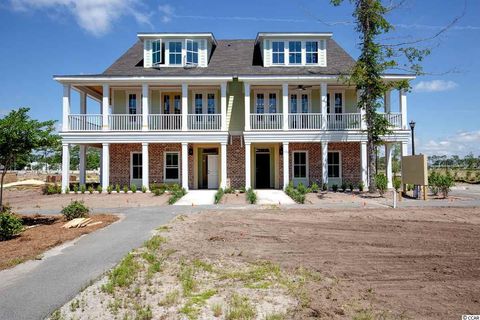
x=375 y=59
x=19 y=135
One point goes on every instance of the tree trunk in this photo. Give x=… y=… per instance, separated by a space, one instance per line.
x=372 y=188
x=1 y=189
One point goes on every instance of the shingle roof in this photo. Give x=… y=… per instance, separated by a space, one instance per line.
x=230 y=57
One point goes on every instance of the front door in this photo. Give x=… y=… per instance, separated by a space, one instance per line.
x=212 y=167
x=262 y=170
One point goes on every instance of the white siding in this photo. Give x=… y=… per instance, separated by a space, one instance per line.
x=202 y=53
x=322 y=53
x=147 y=53
x=267 y=53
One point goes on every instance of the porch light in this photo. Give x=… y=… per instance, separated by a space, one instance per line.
x=412 y=128
x=281 y=150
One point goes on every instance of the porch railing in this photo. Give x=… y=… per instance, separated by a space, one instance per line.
x=266 y=121
x=85 y=122
x=204 y=122
x=395 y=119
x=165 y=122
x=305 y=121
x=344 y=121
x=125 y=122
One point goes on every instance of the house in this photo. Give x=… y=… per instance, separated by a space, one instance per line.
x=187 y=108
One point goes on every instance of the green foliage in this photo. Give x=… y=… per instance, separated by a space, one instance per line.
x=123 y=275
x=301 y=188
x=158 y=192
x=125 y=189
x=109 y=189
x=334 y=187
x=10 y=224
x=176 y=194
x=314 y=188
x=344 y=186
x=324 y=186
x=83 y=188
x=381 y=183
x=243 y=189
x=67 y=189
x=90 y=189
x=144 y=189
x=229 y=190
x=297 y=194
x=49 y=189
x=251 y=196
x=219 y=195
x=76 y=209
x=397 y=183
x=117 y=188
x=361 y=186
x=99 y=189
x=445 y=183
x=351 y=186
x=75 y=188
x=433 y=183
x=133 y=188
x=240 y=308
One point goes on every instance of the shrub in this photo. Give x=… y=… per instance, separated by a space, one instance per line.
x=219 y=195
x=76 y=209
x=158 y=192
x=301 y=188
x=67 y=189
x=176 y=195
x=133 y=187
x=344 y=186
x=75 y=188
x=243 y=190
x=117 y=188
x=90 y=189
x=83 y=188
x=324 y=186
x=334 y=187
x=433 y=179
x=144 y=189
x=109 y=189
x=50 y=189
x=381 y=183
x=251 y=196
x=229 y=190
x=445 y=183
x=361 y=186
x=125 y=189
x=314 y=187
x=99 y=189
x=351 y=187
x=10 y=224
x=397 y=183
x=295 y=194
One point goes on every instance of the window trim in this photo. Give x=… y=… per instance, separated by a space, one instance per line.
x=284 y=50
x=307 y=52
x=159 y=52
x=307 y=173
x=308 y=92
x=340 y=173
x=205 y=94
x=332 y=100
x=303 y=45
x=266 y=95
x=193 y=52
x=131 y=166
x=167 y=53
x=296 y=52
x=139 y=102
x=165 y=180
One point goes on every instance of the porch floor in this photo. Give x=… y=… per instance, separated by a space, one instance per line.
x=271 y=196
x=197 y=197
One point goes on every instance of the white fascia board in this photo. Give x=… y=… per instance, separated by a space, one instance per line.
x=140 y=80
x=263 y=79
x=202 y=35
x=292 y=35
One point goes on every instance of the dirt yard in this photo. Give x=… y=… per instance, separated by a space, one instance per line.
x=335 y=264
x=31 y=243
x=32 y=199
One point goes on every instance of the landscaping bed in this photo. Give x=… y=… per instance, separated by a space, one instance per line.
x=42 y=233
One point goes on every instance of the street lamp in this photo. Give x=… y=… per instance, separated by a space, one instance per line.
x=412 y=127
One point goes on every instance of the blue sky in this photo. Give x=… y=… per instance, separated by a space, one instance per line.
x=41 y=38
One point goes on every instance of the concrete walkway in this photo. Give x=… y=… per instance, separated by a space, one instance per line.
x=34 y=289
x=197 y=198
x=278 y=197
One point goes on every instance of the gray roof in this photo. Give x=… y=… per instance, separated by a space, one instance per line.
x=230 y=57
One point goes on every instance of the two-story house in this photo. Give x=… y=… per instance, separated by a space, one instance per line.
x=187 y=108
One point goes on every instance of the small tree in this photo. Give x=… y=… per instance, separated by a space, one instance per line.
x=19 y=136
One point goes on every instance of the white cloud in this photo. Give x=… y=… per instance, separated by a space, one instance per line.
x=461 y=144
x=166 y=13
x=435 y=86
x=95 y=16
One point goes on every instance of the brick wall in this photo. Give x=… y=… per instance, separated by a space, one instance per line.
x=350 y=154
x=314 y=160
x=236 y=162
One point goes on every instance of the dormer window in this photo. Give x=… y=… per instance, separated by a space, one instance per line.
x=156 y=52
x=192 y=52
x=295 y=52
x=278 y=52
x=311 y=52
x=175 y=52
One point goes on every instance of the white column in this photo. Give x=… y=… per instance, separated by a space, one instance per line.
x=247 y=106
x=404 y=149
x=248 y=166
x=83 y=103
x=387 y=102
x=223 y=160
x=285 y=105
x=105 y=165
x=65 y=166
x=82 y=164
x=325 y=162
x=403 y=108
x=184 y=106
x=286 y=165
x=364 y=163
x=145 y=166
x=388 y=164
x=185 y=165
x=66 y=106
x=363 y=122
x=145 y=107
x=323 y=104
x=223 y=105
x=105 y=105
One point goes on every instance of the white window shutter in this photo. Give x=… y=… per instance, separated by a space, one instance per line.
x=202 y=53
x=147 y=53
x=322 y=53
x=267 y=53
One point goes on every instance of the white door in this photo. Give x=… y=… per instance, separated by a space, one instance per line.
x=212 y=165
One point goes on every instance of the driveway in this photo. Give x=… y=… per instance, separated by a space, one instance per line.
x=34 y=289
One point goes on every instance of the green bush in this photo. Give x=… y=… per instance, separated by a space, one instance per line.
x=344 y=186
x=10 y=225
x=243 y=189
x=75 y=188
x=50 y=189
x=109 y=189
x=351 y=187
x=158 y=192
x=381 y=183
x=99 y=189
x=117 y=188
x=229 y=190
x=90 y=189
x=144 y=189
x=324 y=186
x=334 y=187
x=133 y=187
x=361 y=186
x=125 y=189
x=67 y=190
x=433 y=180
x=397 y=183
x=83 y=188
x=301 y=188
x=314 y=187
x=445 y=183
x=219 y=195
x=251 y=196
x=176 y=195
x=295 y=194
x=76 y=209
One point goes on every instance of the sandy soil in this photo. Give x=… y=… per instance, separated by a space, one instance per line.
x=234 y=198
x=33 y=199
x=410 y=263
x=34 y=241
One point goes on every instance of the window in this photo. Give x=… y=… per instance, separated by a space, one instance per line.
x=311 y=52
x=334 y=164
x=272 y=103
x=198 y=103
x=328 y=102
x=211 y=103
x=300 y=164
x=304 y=103
x=132 y=103
x=166 y=104
x=260 y=105
x=136 y=166
x=293 y=103
x=338 y=103
x=175 y=52
x=278 y=51
x=176 y=104
x=295 y=52
x=171 y=166
x=192 y=52
x=156 y=52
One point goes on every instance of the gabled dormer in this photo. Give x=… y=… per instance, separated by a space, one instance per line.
x=288 y=49
x=177 y=49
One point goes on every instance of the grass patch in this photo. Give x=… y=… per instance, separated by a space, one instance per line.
x=240 y=308
x=275 y=316
x=199 y=264
x=191 y=308
x=258 y=273
x=123 y=275
x=170 y=299
x=154 y=243
x=187 y=281
x=163 y=228
x=219 y=195
x=217 y=309
x=363 y=315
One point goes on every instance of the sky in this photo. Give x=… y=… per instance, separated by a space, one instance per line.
x=42 y=38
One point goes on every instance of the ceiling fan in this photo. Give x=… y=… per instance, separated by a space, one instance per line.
x=302 y=87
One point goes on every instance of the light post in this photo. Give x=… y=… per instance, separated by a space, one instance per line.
x=412 y=127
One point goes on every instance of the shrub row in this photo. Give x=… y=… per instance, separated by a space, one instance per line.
x=440 y=183
x=10 y=224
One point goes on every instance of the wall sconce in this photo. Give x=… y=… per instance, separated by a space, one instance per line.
x=281 y=150
x=190 y=151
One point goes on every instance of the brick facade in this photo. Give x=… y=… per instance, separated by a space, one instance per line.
x=350 y=157
x=236 y=162
x=314 y=160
